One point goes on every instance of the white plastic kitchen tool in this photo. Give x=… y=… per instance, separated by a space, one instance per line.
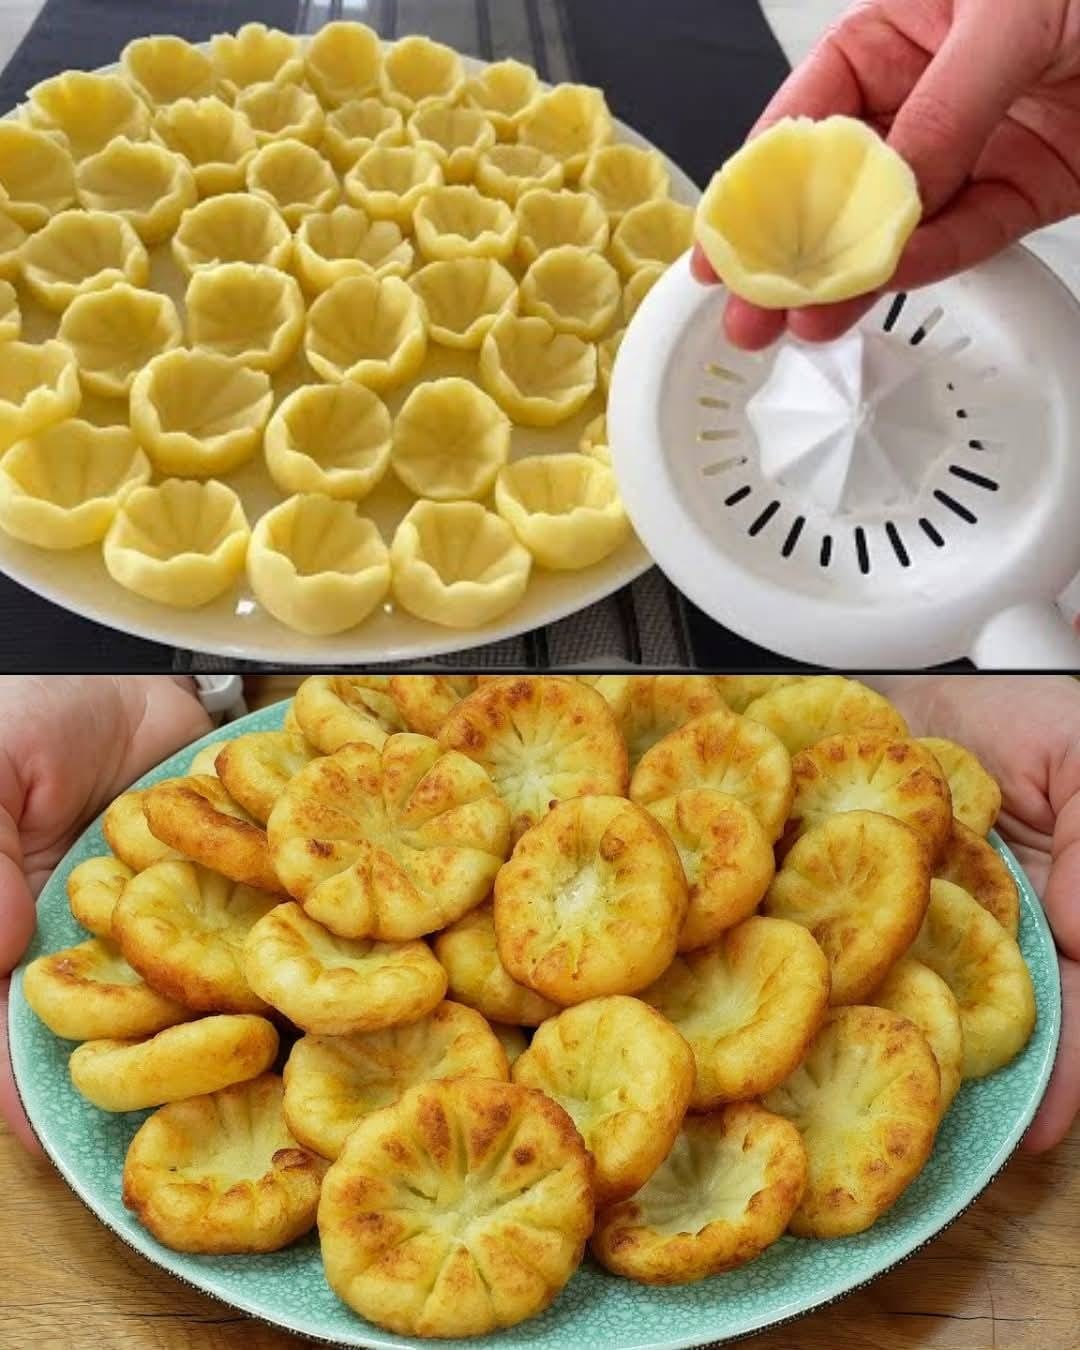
x=906 y=496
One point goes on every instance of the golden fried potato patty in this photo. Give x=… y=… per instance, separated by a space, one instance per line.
x=336 y=710
x=974 y=865
x=469 y=954
x=255 y=768
x=93 y=889
x=976 y=796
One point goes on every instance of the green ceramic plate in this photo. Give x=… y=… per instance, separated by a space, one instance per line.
x=596 y=1311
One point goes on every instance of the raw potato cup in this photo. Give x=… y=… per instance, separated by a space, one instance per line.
x=390 y=181
x=294 y=179
x=332 y=439
x=505 y=1257
x=550 y=219
x=281 y=112
x=342 y=62
x=564 y=508
x=247 y=312
x=39 y=386
x=114 y=333
x=507 y=172
x=624 y=1075
x=575 y=290
x=180 y=543
x=621 y=177
x=503 y=91
x=537 y=376
x=654 y=232
x=182 y=1061
x=235 y=227
x=460 y=222
x=164 y=68
x=81 y=251
x=463 y=298
x=216 y=140
x=355 y=127
x=367 y=329
x=253 y=55
x=221 y=1173
x=333 y=1082
x=568 y=123
x=148 y=186
x=37 y=175
x=347 y=242
x=456 y=136
x=317 y=564
x=417 y=72
x=89 y=109
x=469 y=954
x=450 y=440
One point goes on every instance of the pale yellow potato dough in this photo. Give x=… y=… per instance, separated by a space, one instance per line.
x=250 y=313
x=367 y=329
x=89 y=109
x=456 y=136
x=114 y=333
x=37 y=175
x=624 y=1075
x=62 y=488
x=509 y=171
x=12 y=238
x=329 y=438
x=459 y=222
x=549 y=219
x=389 y=181
x=282 y=111
x=333 y=1082
x=142 y=182
x=216 y=140
x=653 y=232
x=294 y=179
x=569 y=123
x=334 y=986
x=976 y=796
x=180 y=543
x=564 y=508
x=503 y=91
x=39 y=386
x=333 y=710
x=417 y=72
x=469 y=954
x=639 y=286
x=93 y=888
x=235 y=227
x=254 y=54
x=198 y=414
x=318 y=565
x=255 y=767
x=537 y=376
x=917 y=993
x=346 y=242
x=389 y=844
x=457 y=564
x=82 y=251
x=342 y=62
x=621 y=177
x=450 y=440
x=606 y=352
x=824 y=705
x=809 y=213
x=163 y=68
x=356 y=126
x=463 y=298
x=183 y=1061
x=594 y=440
x=575 y=289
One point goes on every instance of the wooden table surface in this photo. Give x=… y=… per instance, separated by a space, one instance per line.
x=1005 y=1276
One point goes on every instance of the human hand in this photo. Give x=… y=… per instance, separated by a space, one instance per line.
x=981 y=97
x=68 y=745
x=1026 y=731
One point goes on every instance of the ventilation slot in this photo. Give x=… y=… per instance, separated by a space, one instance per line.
x=722 y=465
x=957 y=508
x=927 y=326
x=897 y=544
x=895 y=310
x=707 y=401
x=970 y=476
x=788 y=546
x=759 y=524
x=718 y=434
x=862 y=552
x=931 y=533
x=737 y=496
x=825 y=556
x=722 y=372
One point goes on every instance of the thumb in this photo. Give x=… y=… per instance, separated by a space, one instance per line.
x=17 y=912
x=976 y=75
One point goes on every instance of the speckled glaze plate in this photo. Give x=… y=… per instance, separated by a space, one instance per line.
x=596 y=1311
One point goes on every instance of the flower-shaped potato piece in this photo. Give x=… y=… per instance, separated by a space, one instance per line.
x=824 y=705
x=149 y=186
x=163 y=68
x=255 y=54
x=639 y=286
x=865 y=1101
x=456 y=222
x=10 y=313
x=621 y=177
x=455 y=136
x=551 y=219
x=90 y=109
x=527 y=733
x=739 y=691
x=128 y=835
x=917 y=993
x=179 y=543
x=725 y=1192
x=456 y=564
x=255 y=768
x=389 y=844
x=488 y=1183
x=564 y=508
x=234 y=227
x=114 y=333
x=594 y=440
x=82 y=251
x=198 y=413
x=576 y=290
x=463 y=298
x=182 y=927
x=985 y=970
x=357 y=127
x=39 y=385
x=450 y=440
x=749 y=1005
x=318 y=565
x=89 y=992
x=179 y=1062
x=655 y=705
x=425 y=700
x=333 y=1082
x=468 y=952
x=860 y=882
x=503 y=91
x=329 y=438
x=62 y=487
x=203 y=762
x=570 y=123
x=591 y=902
x=334 y=710
x=624 y=1075
x=278 y=112
x=654 y=232
x=216 y=141
x=343 y=61
x=294 y=179
x=12 y=238
x=372 y=330
x=969 y=862
x=606 y=352
x=809 y=213
x=346 y=242
x=509 y=171
x=221 y=1173
x=93 y=888
x=37 y=175
x=976 y=796
x=417 y=72
x=871 y=773
x=250 y=313
x=537 y=376
x=389 y=181
x=726 y=856
x=334 y=986
x=723 y=751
